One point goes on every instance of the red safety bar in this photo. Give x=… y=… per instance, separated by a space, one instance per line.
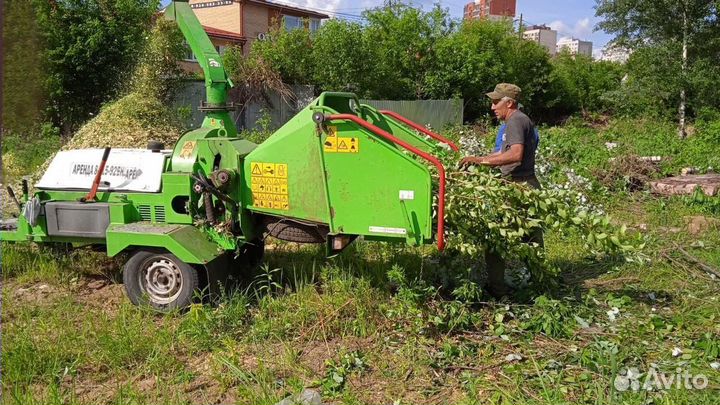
x=420 y=128
x=432 y=159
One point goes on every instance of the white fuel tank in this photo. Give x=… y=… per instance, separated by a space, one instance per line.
x=126 y=170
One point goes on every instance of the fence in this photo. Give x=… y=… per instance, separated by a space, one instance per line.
x=254 y=115
x=435 y=113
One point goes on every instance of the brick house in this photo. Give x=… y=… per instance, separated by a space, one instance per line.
x=241 y=22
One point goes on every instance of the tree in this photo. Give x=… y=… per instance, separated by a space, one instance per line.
x=24 y=76
x=402 y=40
x=342 y=53
x=587 y=82
x=91 y=48
x=652 y=87
x=639 y=23
x=470 y=62
x=289 y=53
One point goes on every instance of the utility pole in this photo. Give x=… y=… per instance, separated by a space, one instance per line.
x=520 y=28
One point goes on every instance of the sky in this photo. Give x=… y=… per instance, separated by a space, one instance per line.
x=571 y=18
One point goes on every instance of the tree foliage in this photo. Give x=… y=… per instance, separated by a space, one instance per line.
x=481 y=54
x=486 y=212
x=585 y=83
x=685 y=30
x=401 y=52
x=23 y=69
x=91 y=47
x=401 y=41
x=636 y=23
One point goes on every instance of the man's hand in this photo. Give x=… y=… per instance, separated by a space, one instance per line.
x=471 y=160
x=510 y=156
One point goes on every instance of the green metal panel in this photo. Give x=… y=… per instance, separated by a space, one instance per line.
x=296 y=145
x=186 y=242
x=185 y=152
x=20 y=234
x=365 y=188
x=175 y=185
x=354 y=193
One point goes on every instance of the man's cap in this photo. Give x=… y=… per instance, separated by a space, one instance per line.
x=505 y=90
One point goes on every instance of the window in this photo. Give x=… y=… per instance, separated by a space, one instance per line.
x=189 y=55
x=314 y=24
x=292 y=22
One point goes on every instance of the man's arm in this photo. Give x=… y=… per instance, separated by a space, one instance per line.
x=513 y=155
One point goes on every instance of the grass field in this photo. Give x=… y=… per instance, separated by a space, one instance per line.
x=377 y=324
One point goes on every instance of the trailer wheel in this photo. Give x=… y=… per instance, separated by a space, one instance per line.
x=159 y=279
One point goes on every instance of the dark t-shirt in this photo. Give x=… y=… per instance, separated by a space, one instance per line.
x=520 y=130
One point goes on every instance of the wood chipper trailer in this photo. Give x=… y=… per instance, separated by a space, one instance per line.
x=190 y=216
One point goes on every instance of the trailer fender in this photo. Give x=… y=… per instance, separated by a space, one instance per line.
x=186 y=242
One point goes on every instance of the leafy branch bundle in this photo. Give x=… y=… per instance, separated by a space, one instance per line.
x=486 y=212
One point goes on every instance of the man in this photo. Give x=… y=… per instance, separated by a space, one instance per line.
x=501 y=134
x=516 y=160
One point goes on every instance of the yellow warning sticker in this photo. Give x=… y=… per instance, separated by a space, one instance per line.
x=330 y=144
x=269 y=185
x=281 y=170
x=336 y=144
x=268 y=169
x=187 y=149
x=348 y=145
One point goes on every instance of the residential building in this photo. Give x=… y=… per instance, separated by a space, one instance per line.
x=543 y=35
x=615 y=54
x=490 y=9
x=575 y=46
x=242 y=22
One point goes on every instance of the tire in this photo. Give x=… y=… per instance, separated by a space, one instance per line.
x=292 y=231
x=160 y=280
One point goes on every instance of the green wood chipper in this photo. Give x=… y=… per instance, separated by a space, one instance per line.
x=191 y=216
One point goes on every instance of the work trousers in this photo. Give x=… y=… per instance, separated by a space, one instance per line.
x=495 y=263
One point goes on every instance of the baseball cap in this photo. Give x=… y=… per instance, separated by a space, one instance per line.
x=505 y=90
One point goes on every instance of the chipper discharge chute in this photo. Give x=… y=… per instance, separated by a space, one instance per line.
x=191 y=216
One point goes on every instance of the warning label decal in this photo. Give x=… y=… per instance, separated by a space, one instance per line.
x=335 y=144
x=348 y=145
x=330 y=144
x=187 y=149
x=269 y=185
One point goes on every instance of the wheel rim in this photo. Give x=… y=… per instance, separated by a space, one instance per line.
x=161 y=280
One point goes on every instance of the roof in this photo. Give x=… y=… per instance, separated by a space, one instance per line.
x=218 y=33
x=288 y=7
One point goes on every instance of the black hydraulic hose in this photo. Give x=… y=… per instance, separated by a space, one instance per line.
x=209 y=212
x=207 y=198
x=217 y=193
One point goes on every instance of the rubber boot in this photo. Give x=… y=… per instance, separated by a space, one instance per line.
x=495 y=265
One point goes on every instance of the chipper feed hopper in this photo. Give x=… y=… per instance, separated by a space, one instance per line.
x=191 y=216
